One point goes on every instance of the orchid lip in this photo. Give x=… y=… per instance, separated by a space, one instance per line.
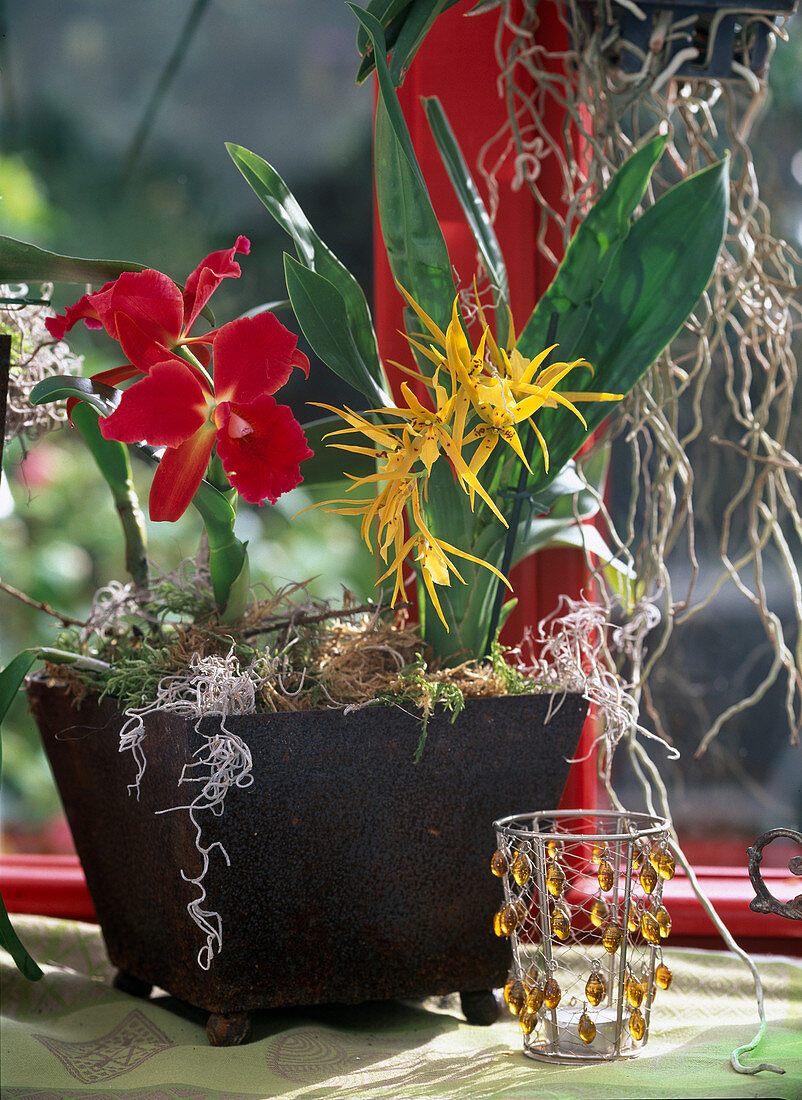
x=237 y=427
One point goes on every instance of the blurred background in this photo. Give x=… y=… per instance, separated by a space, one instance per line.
x=114 y=118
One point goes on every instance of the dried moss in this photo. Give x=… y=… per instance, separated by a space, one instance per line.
x=318 y=655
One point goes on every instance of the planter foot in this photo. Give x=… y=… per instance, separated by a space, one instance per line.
x=228 y=1031
x=134 y=987
x=480 y=1007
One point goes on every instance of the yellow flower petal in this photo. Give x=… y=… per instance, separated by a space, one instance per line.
x=436 y=332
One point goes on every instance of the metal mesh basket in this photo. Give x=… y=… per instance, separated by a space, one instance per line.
x=584 y=913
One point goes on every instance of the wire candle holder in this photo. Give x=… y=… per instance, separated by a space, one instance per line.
x=583 y=910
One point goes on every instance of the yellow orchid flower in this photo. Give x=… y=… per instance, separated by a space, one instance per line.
x=436 y=567
x=477 y=399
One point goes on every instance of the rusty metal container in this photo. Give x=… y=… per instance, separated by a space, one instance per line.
x=355 y=874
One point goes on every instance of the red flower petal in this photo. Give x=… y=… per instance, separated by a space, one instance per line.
x=165 y=408
x=179 y=474
x=85 y=309
x=152 y=300
x=208 y=275
x=139 y=345
x=149 y=297
x=254 y=355
x=116 y=375
x=261 y=445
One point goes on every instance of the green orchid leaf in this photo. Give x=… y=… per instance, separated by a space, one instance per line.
x=412 y=236
x=405 y=23
x=320 y=311
x=474 y=209
x=27 y=263
x=115 y=466
x=273 y=192
x=10 y=941
x=266 y=307
x=589 y=254
x=392 y=15
x=420 y=17
x=566 y=483
x=586 y=537
x=60 y=386
x=11 y=680
x=653 y=283
x=214 y=507
x=537 y=530
x=228 y=561
x=238 y=590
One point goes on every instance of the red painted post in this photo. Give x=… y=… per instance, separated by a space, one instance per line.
x=457 y=63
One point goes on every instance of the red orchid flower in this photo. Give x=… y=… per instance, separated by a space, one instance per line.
x=259 y=442
x=175 y=405
x=147 y=314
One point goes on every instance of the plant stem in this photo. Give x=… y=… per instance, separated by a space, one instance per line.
x=113 y=462
x=65 y=620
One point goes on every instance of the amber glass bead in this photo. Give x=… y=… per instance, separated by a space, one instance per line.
x=648 y=877
x=555 y=879
x=551 y=993
x=637 y=1025
x=663 y=976
x=597 y=853
x=606 y=876
x=611 y=938
x=521 y=868
x=532 y=976
x=649 y=927
x=515 y=995
x=554 y=847
x=534 y=998
x=595 y=989
x=586 y=1028
x=663 y=862
x=634 y=991
x=560 y=924
x=633 y=919
x=528 y=1021
x=507 y=920
x=499 y=864
x=637 y=857
x=599 y=912
x=663 y=920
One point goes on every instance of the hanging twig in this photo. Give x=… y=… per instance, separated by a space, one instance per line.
x=320 y=617
x=65 y=620
x=167 y=76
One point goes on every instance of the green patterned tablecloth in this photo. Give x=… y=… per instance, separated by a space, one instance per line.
x=72 y=1036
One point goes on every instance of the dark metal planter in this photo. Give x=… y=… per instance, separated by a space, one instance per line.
x=354 y=873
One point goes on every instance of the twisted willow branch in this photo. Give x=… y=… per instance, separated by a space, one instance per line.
x=720 y=401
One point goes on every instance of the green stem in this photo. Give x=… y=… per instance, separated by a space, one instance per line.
x=114 y=464
x=228 y=558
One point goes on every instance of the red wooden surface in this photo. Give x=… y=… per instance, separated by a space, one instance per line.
x=457 y=63
x=54 y=886
x=47 y=886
